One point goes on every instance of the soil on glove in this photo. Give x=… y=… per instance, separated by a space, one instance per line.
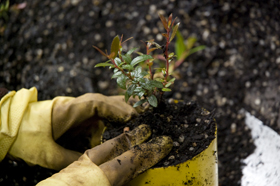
x=191 y=128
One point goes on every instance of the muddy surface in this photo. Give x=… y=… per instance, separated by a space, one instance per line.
x=48 y=44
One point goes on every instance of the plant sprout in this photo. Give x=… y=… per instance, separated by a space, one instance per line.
x=129 y=73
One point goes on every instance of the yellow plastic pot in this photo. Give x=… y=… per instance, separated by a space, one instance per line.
x=202 y=170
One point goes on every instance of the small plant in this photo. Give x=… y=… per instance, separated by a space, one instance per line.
x=130 y=74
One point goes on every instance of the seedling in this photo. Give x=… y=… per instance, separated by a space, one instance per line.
x=130 y=74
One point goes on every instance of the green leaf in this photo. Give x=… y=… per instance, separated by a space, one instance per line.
x=171 y=55
x=172 y=80
x=147 y=86
x=115 y=46
x=168 y=84
x=121 y=81
x=131 y=51
x=196 y=49
x=139 y=53
x=160 y=80
x=126 y=96
x=179 y=45
x=127 y=58
x=190 y=42
x=156 y=83
x=116 y=70
x=144 y=73
x=137 y=71
x=140 y=59
x=104 y=65
x=117 y=74
x=158 y=46
x=166 y=89
x=174 y=31
x=138 y=103
x=131 y=89
x=138 y=89
x=118 y=61
x=142 y=80
x=7 y=5
x=141 y=93
x=153 y=100
x=127 y=67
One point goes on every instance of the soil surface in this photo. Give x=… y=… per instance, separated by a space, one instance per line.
x=191 y=128
x=48 y=44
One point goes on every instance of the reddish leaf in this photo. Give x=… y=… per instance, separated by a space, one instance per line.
x=127 y=40
x=151 y=49
x=164 y=35
x=112 y=55
x=100 y=51
x=164 y=22
x=173 y=22
x=174 y=31
x=169 y=20
x=115 y=46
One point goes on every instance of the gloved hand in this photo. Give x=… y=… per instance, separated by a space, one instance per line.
x=29 y=128
x=114 y=162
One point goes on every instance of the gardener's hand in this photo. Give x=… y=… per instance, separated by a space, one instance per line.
x=120 y=160
x=29 y=128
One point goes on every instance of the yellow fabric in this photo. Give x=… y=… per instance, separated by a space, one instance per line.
x=29 y=127
x=80 y=173
x=13 y=106
x=26 y=131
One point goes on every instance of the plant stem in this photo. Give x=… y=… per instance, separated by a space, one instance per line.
x=166 y=55
x=151 y=74
x=150 y=67
x=126 y=74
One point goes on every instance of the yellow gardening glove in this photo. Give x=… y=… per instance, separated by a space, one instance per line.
x=114 y=162
x=29 y=128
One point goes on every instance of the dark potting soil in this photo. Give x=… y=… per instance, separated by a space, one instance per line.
x=191 y=128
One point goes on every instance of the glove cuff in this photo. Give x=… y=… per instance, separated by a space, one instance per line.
x=12 y=109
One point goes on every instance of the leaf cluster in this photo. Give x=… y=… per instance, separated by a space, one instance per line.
x=130 y=75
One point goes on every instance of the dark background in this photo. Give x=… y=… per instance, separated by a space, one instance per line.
x=48 y=44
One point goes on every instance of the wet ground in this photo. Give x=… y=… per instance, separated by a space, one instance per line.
x=48 y=44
